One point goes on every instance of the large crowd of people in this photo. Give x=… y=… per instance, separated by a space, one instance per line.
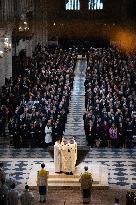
x=35 y=104
x=110 y=118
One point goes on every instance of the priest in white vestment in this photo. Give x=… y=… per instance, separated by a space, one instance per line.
x=65 y=156
x=57 y=156
x=69 y=157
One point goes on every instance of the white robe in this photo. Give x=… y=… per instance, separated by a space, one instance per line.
x=65 y=157
x=69 y=157
x=48 y=134
x=57 y=157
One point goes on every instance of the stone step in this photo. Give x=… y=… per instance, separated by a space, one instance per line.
x=76 y=113
x=79 y=133
x=76 y=118
x=99 y=174
x=76 y=97
x=76 y=104
x=74 y=122
x=75 y=128
x=63 y=184
x=76 y=109
x=65 y=180
x=74 y=125
x=75 y=186
x=70 y=130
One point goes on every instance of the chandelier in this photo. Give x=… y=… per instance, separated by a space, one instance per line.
x=7 y=44
x=23 y=24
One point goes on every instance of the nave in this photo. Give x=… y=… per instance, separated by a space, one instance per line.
x=121 y=162
x=75 y=124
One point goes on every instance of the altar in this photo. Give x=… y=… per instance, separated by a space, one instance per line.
x=64 y=161
x=56 y=180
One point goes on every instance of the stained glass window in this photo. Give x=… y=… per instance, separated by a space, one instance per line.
x=95 y=4
x=73 y=5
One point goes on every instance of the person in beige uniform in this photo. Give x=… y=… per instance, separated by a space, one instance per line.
x=42 y=183
x=86 y=185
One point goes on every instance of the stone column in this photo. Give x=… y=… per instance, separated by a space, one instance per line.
x=40 y=29
x=8 y=10
x=29 y=48
x=84 y=6
x=8 y=60
x=8 y=64
x=2 y=65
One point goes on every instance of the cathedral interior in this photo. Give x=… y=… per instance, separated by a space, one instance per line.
x=68 y=70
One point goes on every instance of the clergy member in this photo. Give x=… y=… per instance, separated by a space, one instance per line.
x=86 y=185
x=69 y=157
x=42 y=183
x=57 y=156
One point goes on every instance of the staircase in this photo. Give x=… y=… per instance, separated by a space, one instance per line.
x=75 y=124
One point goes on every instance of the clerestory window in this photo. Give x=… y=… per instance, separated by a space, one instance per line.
x=92 y=4
x=95 y=4
x=73 y=5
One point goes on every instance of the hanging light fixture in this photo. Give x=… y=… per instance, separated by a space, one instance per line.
x=23 y=25
x=7 y=44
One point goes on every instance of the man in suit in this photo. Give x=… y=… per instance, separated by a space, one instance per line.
x=42 y=183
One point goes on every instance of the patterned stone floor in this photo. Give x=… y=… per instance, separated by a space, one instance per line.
x=75 y=124
x=121 y=163
x=74 y=197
